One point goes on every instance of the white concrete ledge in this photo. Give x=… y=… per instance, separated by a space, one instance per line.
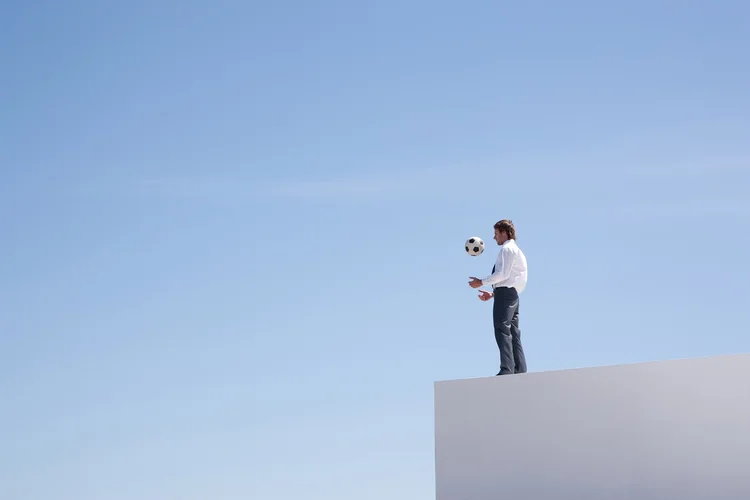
x=648 y=431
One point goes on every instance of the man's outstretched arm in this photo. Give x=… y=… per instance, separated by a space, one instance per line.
x=502 y=271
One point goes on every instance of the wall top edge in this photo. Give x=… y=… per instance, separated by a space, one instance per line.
x=619 y=366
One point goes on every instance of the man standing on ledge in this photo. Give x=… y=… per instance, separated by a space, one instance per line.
x=508 y=280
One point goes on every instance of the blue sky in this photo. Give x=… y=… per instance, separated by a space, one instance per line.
x=232 y=262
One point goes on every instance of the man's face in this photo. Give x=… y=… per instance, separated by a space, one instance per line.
x=500 y=237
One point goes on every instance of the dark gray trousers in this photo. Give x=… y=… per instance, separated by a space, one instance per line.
x=507 y=332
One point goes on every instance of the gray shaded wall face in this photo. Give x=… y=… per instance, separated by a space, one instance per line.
x=650 y=431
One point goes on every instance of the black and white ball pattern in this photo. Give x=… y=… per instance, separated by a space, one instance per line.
x=474 y=246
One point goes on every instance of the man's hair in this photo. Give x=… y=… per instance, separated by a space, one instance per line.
x=506 y=225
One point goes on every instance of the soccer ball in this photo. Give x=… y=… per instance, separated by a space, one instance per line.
x=474 y=246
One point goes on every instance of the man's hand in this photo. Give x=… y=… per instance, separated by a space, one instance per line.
x=484 y=295
x=474 y=282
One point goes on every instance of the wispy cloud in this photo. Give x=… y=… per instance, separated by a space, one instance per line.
x=688 y=168
x=711 y=207
x=189 y=187
x=397 y=185
x=540 y=176
x=388 y=185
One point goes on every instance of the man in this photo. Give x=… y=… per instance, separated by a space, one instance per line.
x=508 y=280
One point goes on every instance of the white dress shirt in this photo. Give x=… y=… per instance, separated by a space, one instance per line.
x=510 y=268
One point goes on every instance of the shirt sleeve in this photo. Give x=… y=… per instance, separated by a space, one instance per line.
x=502 y=268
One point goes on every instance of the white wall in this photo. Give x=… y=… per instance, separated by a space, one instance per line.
x=648 y=431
